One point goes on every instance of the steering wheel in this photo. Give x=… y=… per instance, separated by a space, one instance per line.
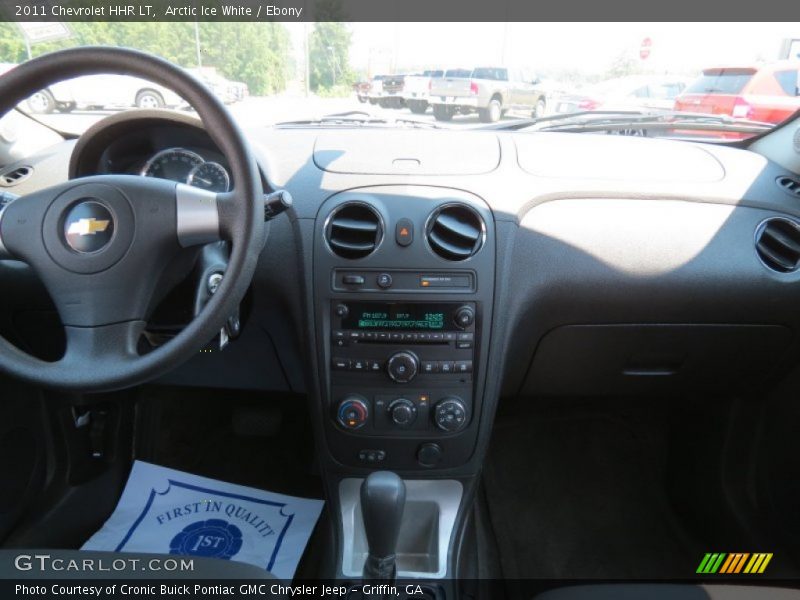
x=100 y=244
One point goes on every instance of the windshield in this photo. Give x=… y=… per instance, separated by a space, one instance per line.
x=444 y=75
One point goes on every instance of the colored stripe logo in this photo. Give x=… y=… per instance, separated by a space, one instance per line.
x=734 y=563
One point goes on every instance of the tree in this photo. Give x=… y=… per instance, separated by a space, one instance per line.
x=623 y=65
x=256 y=53
x=329 y=56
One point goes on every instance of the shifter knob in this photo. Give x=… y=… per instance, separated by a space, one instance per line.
x=383 y=498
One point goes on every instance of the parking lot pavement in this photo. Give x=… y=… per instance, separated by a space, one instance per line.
x=264 y=111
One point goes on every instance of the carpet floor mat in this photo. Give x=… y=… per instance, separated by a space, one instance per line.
x=583 y=497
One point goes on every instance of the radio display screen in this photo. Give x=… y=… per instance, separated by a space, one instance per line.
x=398 y=316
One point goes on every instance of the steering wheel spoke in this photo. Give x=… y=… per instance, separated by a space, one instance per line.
x=198 y=215
x=101 y=346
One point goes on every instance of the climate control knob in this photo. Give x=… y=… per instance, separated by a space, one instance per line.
x=450 y=414
x=403 y=412
x=352 y=413
x=402 y=367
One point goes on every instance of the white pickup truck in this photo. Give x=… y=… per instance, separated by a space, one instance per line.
x=489 y=91
x=416 y=89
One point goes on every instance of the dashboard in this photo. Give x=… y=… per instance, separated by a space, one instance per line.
x=422 y=275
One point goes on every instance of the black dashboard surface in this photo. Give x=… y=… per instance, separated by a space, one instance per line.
x=591 y=230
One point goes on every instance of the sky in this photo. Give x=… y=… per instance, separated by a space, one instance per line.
x=588 y=47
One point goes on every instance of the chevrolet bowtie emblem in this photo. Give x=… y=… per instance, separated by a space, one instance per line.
x=88 y=226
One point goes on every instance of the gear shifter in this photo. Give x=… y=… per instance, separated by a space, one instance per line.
x=383 y=497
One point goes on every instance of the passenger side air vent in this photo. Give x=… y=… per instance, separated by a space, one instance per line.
x=455 y=232
x=354 y=231
x=778 y=244
x=789 y=185
x=15 y=176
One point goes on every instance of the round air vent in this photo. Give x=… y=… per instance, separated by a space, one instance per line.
x=455 y=232
x=354 y=231
x=778 y=244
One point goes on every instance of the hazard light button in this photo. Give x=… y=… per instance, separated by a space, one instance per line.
x=404 y=232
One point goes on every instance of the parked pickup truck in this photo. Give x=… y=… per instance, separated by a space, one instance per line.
x=416 y=89
x=362 y=89
x=392 y=92
x=489 y=91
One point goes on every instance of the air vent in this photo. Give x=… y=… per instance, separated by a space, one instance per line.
x=778 y=244
x=789 y=185
x=354 y=231
x=455 y=232
x=15 y=176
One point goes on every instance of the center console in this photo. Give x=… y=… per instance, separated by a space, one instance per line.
x=403 y=280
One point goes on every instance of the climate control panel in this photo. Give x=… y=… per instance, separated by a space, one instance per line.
x=414 y=412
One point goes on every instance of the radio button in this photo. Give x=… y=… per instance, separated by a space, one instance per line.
x=465 y=337
x=383 y=336
x=463 y=366
x=358 y=364
x=446 y=366
x=430 y=366
x=437 y=337
x=374 y=365
x=340 y=364
x=396 y=337
x=449 y=336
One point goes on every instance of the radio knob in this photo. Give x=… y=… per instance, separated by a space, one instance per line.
x=403 y=412
x=450 y=414
x=352 y=413
x=402 y=367
x=464 y=317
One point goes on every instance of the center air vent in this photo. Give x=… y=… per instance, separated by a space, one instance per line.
x=354 y=231
x=789 y=185
x=778 y=244
x=455 y=232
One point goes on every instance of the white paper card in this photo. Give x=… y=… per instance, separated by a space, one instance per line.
x=170 y=512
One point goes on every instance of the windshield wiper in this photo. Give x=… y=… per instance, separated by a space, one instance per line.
x=357 y=118
x=623 y=120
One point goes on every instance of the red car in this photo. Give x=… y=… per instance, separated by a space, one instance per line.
x=769 y=93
